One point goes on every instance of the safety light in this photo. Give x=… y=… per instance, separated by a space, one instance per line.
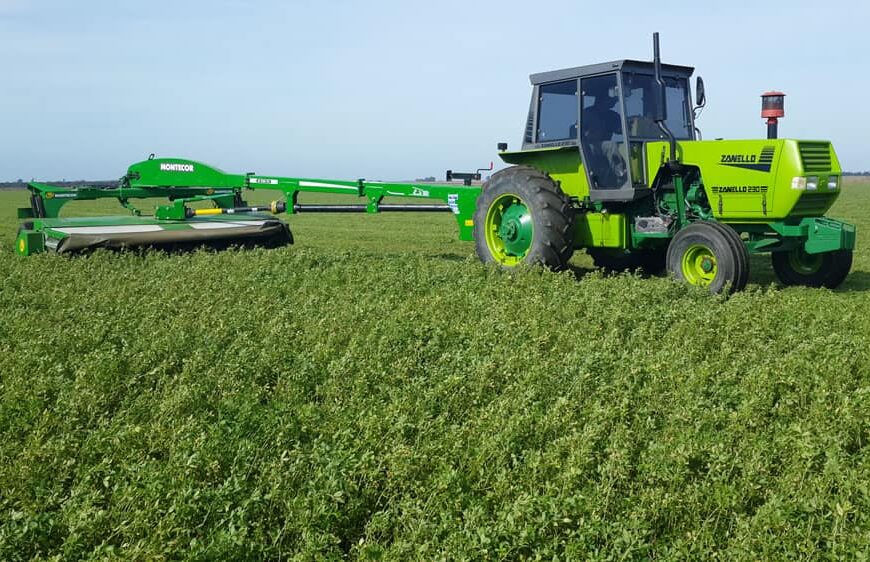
x=812 y=183
x=772 y=108
x=833 y=182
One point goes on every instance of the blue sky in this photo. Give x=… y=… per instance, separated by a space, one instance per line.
x=387 y=89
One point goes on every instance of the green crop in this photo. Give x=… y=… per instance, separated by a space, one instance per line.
x=375 y=392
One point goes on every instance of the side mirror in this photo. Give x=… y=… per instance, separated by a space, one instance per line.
x=700 y=97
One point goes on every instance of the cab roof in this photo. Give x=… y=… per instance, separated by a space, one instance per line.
x=603 y=67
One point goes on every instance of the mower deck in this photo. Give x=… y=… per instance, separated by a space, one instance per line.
x=65 y=235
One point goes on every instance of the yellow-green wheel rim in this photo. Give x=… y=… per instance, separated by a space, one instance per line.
x=699 y=265
x=509 y=229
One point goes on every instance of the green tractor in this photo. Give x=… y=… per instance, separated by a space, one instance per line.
x=611 y=162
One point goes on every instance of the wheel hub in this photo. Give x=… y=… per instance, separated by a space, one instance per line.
x=804 y=263
x=699 y=265
x=509 y=229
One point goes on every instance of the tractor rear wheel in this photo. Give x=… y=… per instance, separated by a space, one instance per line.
x=706 y=255
x=522 y=217
x=796 y=267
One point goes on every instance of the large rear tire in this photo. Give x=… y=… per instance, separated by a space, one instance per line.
x=796 y=267
x=705 y=254
x=522 y=217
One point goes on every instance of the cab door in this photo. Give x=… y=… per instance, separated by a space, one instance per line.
x=602 y=138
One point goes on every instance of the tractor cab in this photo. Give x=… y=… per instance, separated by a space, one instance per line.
x=608 y=111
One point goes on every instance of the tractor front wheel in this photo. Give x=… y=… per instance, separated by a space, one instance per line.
x=796 y=267
x=707 y=255
x=522 y=217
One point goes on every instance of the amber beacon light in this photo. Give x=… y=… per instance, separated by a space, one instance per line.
x=772 y=108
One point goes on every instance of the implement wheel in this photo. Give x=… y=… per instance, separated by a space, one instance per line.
x=707 y=255
x=796 y=267
x=522 y=217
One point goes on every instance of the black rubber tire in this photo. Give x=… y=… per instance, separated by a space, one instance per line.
x=551 y=212
x=730 y=267
x=650 y=261
x=833 y=271
x=740 y=251
x=842 y=267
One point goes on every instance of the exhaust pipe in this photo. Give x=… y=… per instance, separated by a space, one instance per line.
x=661 y=108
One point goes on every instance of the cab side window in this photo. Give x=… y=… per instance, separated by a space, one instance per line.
x=557 y=112
x=640 y=99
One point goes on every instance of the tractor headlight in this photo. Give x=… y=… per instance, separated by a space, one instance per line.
x=812 y=183
x=833 y=182
x=799 y=183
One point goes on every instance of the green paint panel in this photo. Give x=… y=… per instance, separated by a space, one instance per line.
x=602 y=230
x=562 y=163
x=177 y=172
x=752 y=179
x=29 y=242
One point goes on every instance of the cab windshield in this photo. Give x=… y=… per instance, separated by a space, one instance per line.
x=639 y=96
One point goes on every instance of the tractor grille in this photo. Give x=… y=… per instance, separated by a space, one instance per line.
x=813 y=204
x=815 y=156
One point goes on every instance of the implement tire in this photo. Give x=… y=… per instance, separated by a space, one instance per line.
x=796 y=267
x=522 y=217
x=704 y=254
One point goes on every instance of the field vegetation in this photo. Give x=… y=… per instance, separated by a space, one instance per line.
x=374 y=392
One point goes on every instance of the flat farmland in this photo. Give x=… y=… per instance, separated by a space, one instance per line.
x=374 y=392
